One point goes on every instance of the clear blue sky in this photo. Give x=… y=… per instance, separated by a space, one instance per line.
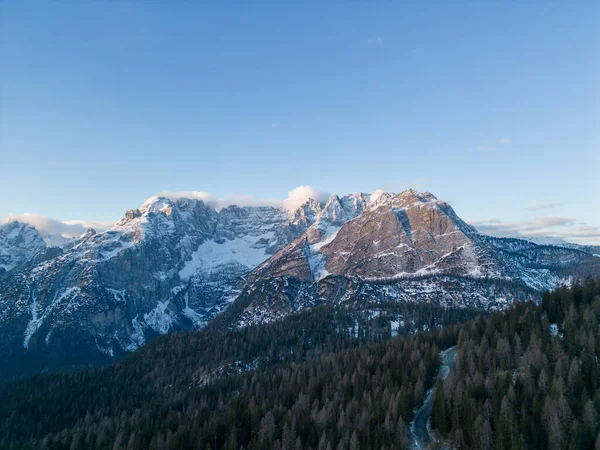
x=104 y=103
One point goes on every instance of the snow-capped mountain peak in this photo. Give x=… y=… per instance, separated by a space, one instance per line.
x=176 y=263
x=19 y=243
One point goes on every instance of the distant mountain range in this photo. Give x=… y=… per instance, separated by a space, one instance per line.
x=176 y=264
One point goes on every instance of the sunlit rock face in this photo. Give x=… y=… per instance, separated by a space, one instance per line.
x=175 y=264
x=383 y=236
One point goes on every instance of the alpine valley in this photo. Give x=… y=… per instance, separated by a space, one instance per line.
x=177 y=264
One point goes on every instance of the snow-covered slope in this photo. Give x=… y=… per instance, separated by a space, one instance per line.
x=401 y=246
x=394 y=236
x=22 y=244
x=175 y=264
x=167 y=265
x=558 y=242
x=19 y=243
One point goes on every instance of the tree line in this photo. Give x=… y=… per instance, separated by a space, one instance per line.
x=335 y=378
x=527 y=378
x=331 y=375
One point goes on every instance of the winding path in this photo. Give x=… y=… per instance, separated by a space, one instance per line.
x=419 y=426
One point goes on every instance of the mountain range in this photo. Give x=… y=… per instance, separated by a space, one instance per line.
x=176 y=264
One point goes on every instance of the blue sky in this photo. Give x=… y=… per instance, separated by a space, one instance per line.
x=492 y=106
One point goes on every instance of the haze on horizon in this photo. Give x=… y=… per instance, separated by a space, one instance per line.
x=493 y=108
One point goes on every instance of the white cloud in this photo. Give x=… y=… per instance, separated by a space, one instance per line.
x=206 y=197
x=67 y=228
x=297 y=196
x=75 y=228
x=565 y=228
x=219 y=202
x=535 y=206
x=504 y=141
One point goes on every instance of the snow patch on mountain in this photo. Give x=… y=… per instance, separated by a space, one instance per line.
x=211 y=255
x=197 y=319
x=19 y=243
x=36 y=320
x=175 y=263
x=160 y=318
x=329 y=234
x=57 y=240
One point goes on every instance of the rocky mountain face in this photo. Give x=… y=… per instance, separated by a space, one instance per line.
x=386 y=237
x=176 y=264
x=167 y=265
x=22 y=244
x=19 y=243
x=407 y=246
x=382 y=236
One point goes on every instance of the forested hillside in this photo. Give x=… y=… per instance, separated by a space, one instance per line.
x=528 y=378
x=213 y=389
x=176 y=264
x=335 y=378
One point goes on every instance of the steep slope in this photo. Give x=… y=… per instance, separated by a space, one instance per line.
x=19 y=243
x=410 y=234
x=176 y=264
x=180 y=373
x=524 y=378
x=167 y=265
x=527 y=379
x=22 y=244
x=271 y=299
x=404 y=246
x=560 y=242
x=385 y=236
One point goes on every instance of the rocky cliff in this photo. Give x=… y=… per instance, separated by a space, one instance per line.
x=176 y=264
